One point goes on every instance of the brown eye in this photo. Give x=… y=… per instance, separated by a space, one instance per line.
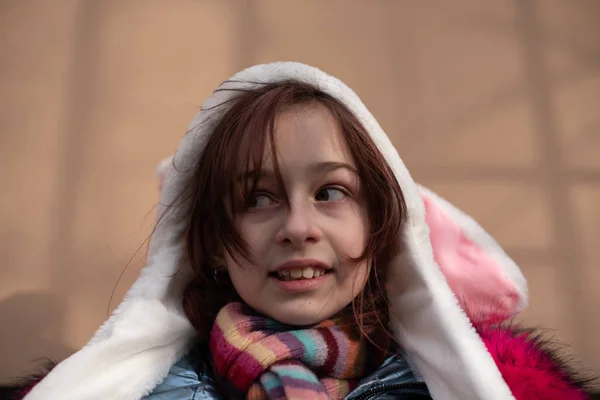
x=330 y=194
x=259 y=200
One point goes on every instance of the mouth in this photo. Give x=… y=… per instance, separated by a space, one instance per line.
x=300 y=270
x=297 y=274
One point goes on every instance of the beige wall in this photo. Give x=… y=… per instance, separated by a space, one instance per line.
x=495 y=105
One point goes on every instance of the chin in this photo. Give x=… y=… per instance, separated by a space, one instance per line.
x=299 y=319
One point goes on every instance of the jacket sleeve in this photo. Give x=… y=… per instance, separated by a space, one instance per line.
x=188 y=379
x=531 y=366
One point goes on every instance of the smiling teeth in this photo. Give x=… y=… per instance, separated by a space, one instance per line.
x=293 y=274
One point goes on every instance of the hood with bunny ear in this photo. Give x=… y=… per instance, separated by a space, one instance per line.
x=450 y=273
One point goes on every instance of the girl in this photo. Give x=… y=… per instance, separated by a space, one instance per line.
x=295 y=258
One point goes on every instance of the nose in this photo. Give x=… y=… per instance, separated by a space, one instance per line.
x=299 y=226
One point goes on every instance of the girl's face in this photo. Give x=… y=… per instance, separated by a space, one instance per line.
x=301 y=236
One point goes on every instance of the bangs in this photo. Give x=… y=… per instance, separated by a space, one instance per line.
x=250 y=140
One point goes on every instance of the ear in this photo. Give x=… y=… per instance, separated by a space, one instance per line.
x=487 y=283
x=220 y=264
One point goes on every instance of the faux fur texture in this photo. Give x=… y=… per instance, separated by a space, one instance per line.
x=134 y=350
x=533 y=367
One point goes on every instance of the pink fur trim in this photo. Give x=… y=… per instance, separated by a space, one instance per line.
x=530 y=372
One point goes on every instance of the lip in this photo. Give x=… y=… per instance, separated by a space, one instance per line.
x=301 y=285
x=302 y=263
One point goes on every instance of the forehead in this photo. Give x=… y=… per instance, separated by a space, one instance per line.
x=307 y=134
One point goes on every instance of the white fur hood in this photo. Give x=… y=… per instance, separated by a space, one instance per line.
x=445 y=251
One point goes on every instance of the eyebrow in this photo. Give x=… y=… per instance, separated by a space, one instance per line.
x=330 y=166
x=318 y=168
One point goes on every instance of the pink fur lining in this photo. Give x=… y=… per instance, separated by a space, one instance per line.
x=484 y=291
x=530 y=371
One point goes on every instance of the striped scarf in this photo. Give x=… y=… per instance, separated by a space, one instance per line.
x=268 y=360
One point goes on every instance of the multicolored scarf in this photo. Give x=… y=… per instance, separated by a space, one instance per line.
x=269 y=360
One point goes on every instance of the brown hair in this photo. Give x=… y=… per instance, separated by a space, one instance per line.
x=245 y=127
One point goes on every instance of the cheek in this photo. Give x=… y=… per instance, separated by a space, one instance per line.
x=244 y=272
x=253 y=237
x=243 y=277
x=354 y=278
x=353 y=234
